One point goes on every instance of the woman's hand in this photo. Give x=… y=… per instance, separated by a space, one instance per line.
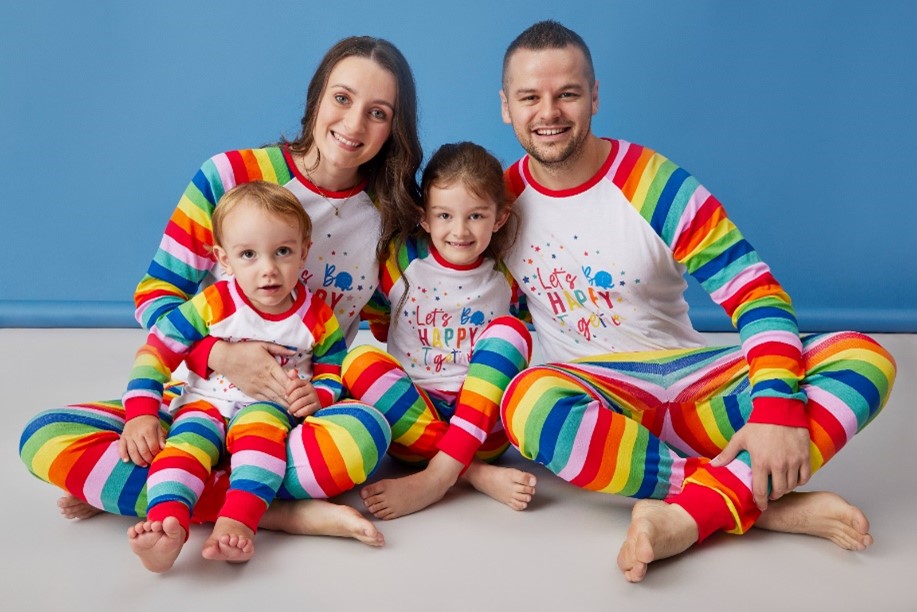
x=141 y=440
x=253 y=368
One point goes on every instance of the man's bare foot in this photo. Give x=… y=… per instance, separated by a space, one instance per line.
x=819 y=513
x=395 y=497
x=657 y=530
x=230 y=541
x=157 y=543
x=320 y=517
x=510 y=486
x=75 y=508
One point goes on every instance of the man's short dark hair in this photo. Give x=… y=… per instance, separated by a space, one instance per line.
x=549 y=34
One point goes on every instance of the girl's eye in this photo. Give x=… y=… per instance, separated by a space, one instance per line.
x=247 y=254
x=444 y=216
x=284 y=251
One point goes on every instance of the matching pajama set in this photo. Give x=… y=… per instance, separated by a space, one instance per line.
x=453 y=347
x=76 y=447
x=632 y=401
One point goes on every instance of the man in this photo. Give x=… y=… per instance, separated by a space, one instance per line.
x=635 y=403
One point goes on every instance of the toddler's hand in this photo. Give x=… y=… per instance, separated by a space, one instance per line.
x=302 y=398
x=142 y=440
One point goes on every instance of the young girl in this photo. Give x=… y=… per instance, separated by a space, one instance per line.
x=356 y=156
x=443 y=306
x=261 y=237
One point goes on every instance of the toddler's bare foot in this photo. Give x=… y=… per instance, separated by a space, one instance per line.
x=819 y=513
x=75 y=508
x=321 y=517
x=510 y=486
x=657 y=530
x=157 y=543
x=392 y=498
x=230 y=541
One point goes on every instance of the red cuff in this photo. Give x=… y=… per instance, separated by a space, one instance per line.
x=244 y=507
x=707 y=507
x=459 y=444
x=141 y=406
x=779 y=411
x=199 y=356
x=162 y=510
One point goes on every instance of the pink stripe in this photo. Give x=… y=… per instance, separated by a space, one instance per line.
x=183 y=254
x=833 y=404
x=258 y=459
x=747 y=275
x=694 y=203
x=224 y=168
x=304 y=474
x=581 y=442
x=380 y=387
x=622 y=152
x=776 y=336
x=740 y=470
x=100 y=474
x=176 y=475
x=468 y=427
x=509 y=335
x=132 y=395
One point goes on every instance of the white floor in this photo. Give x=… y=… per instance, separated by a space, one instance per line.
x=466 y=553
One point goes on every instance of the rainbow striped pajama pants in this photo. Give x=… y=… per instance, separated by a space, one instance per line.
x=646 y=425
x=330 y=452
x=464 y=425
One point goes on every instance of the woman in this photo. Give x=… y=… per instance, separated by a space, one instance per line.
x=358 y=153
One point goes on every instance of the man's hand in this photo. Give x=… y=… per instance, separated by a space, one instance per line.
x=253 y=368
x=777 y=452
x=141 y=440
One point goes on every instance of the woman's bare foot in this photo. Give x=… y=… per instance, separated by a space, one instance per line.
x=819 y=513
x=230 y=541
x=510 y=486
x=157 y=543
x=392 y=498
x=320 y=517
x=657 y=530
x=75 y=508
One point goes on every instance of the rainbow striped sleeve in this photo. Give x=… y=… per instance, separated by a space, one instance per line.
x=378 y=312
x=693 y=223
x=518 y=307
x=185 y=253
x=328 y=352
x=167 y=345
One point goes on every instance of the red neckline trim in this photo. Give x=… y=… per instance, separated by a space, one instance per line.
x=313 y=187
x=447 y=264
x=298 y=301
x=564 y=193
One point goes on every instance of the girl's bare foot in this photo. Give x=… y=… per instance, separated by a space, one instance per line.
x=392 y=498
x=320 y=517
x=510 y=486
x=75 y=508
x=230 y=541
x=657 y=530
x=157 y=543
x=820 y=513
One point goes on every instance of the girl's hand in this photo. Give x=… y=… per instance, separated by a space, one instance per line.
x=141 y=440
x=252 y=367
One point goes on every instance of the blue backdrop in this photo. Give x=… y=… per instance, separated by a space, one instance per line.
x=799 y=115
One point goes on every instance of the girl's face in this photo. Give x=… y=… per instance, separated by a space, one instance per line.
x=354 y=117
x=266 y=253
x=460 y=223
